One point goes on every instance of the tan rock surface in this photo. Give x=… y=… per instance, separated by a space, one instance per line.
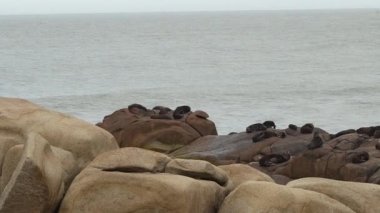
x=241 y=173
x=41 y=151
x=259 y=196
x=127 y=180
x=360 y=197
x=32 y=182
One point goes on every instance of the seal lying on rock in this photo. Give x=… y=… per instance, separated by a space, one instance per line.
x=273 y=159
x=263 y=135
x=255 y=127
x=316 y=142
x=161 y=110
x=180 y=111
x=137 y=109
x=270 y=124
x=307 y=128
x=344 y=132
x=366 y=130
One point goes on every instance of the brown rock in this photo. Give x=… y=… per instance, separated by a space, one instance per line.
x=156 y=132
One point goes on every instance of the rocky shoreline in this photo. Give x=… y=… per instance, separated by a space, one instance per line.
x=164 y=160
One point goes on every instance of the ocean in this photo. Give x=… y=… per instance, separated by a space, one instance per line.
x=318 y=66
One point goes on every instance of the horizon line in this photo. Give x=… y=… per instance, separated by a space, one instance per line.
x=188 y=11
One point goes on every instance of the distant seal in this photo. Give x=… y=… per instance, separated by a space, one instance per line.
x=270 y=124
x=316 y=142
x=273 y=159
x=344 y=132
x=162 y=110
x=359 y=157
x=232 y=133
x=180 y=111
x=307 y=128
x=293 y=127
x=263 y=135
x=255 y=127
x=366 y=130
x=137 y=108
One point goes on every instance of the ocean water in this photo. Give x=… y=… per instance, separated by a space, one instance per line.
x=241 y=67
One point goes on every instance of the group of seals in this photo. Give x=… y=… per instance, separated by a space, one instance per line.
x=161 y=112
x=260 y=126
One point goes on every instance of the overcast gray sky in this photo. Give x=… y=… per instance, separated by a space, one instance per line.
x=106 y=6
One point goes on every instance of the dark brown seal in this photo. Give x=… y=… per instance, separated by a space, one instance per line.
x=316 y=142
x=307 y=128
x=344 y=132
x=180 y=111
x=270 y=124
x=137 y=109
x=255 y=127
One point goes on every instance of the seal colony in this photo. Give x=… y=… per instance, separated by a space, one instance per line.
x=159 y=159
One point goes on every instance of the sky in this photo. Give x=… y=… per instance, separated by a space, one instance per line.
x=109 y=6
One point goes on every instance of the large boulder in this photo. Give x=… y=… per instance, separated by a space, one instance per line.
x=137 y=180
x=360 y=197
x=240 y=173
x=41 y=151
x=259 y=196
x=159 y=129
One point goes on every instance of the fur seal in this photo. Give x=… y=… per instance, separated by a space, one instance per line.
x=366 y=130
x=232 y=133
x=273 y=159
x=162 y=110
x=137 y=108
x=359 y=157
x=255 y=127
x=344 y=132
x=270 y=124
x=293 y=127
x=180 y=111
x=316 y=142
x=307 y=128
x=263 y=135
